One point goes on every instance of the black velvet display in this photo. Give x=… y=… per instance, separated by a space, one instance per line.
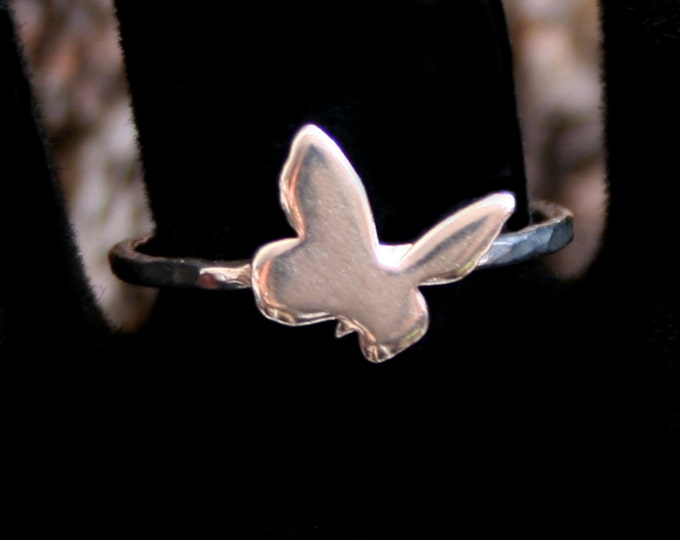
x=530 y=403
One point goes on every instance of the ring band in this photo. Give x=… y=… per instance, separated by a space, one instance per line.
x=336 y=269
x=550 y=231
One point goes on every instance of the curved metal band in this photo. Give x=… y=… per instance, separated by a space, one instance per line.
x=133 y=266
x=551 y=230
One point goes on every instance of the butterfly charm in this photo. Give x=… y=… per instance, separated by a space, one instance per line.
x=336 y=268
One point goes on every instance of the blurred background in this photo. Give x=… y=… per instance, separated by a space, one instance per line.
x=76 y=65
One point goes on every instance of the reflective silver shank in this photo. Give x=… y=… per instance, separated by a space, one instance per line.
x=551 y=231
x=133 y=266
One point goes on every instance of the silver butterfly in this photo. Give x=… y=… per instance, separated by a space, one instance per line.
x=337 y=269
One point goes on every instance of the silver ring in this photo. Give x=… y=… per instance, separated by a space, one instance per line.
x=336 y=269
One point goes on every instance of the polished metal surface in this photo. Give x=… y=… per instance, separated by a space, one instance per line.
x=551 y=230
x=132 y=265
x=336 y=268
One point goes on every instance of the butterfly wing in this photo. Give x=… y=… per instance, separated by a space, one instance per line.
x=319 y=274
x=452 y=248
x=322 y=195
